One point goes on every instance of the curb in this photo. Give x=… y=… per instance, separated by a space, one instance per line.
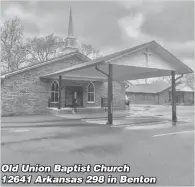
x=40 y=125
x=57 y=120
x=81 y=124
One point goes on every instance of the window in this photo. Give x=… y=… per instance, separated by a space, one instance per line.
x=54 y=92
x=91 y=93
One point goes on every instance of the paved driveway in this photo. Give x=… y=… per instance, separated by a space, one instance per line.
x=166 y=152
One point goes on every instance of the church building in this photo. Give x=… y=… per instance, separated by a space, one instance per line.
x=28 y=91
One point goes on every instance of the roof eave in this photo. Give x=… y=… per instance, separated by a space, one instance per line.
x=80 y=55
x=74 y=68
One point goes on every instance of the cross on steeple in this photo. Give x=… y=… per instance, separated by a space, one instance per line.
x=147 y=54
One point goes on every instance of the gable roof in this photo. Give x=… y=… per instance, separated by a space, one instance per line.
x=157 y=87
x=180 y=67
x=63 y=57
x=184 y=88
x=148 y=88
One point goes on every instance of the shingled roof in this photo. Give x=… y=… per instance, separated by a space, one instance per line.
x=148 y=88
x=53 y=60
x=157 y=87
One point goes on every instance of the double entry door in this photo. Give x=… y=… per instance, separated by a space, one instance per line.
x=72 y=94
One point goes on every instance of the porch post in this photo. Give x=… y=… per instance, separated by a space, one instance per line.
x=174 y=116
x=110 y=95
x=60 y=89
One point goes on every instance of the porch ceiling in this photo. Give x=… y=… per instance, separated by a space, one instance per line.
x=127 y=65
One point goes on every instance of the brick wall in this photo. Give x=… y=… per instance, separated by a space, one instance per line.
x=160 y=98
x=164 y=97
x=118 y=93
x=189 y=97
x=143 y=98
x=101 y=91
x=25 y=93
x=149 y=98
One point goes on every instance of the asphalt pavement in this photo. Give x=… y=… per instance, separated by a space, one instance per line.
x=159 y=149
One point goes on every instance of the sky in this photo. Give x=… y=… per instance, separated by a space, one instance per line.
x=111 y=25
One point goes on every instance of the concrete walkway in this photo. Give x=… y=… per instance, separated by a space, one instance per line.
x=138 y=114
x=133 y=111
x=30 y=119
x=59 y=117
x=116 y=114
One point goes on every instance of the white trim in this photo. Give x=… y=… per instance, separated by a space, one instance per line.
x=54 y=91
x=91 y=92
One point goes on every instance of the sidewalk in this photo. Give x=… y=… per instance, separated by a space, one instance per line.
x=30 y=119
x=116 y=114
x=134 y=111
x=59 y=117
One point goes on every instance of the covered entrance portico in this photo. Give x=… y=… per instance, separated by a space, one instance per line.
x=129 y=64
x=67 y=93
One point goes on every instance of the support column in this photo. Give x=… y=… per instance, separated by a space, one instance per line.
x=60 y=90
x=110 y=95
x=174 y=116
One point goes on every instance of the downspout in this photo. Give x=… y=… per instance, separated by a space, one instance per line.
x=101 y=71
x=179 y=77
x=128 y=83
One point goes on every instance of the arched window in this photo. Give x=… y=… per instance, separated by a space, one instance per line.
x=91 y=93
x=54 y=92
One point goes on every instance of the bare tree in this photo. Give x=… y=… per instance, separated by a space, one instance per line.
x=89 y=51
x=13 y=52
x=43 y=48
x=166 y=79
x=189 y=80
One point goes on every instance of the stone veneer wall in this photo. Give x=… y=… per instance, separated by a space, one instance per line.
x=25 y=93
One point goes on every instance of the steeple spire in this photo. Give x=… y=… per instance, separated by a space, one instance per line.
x=70 y=25
x=70 y=41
